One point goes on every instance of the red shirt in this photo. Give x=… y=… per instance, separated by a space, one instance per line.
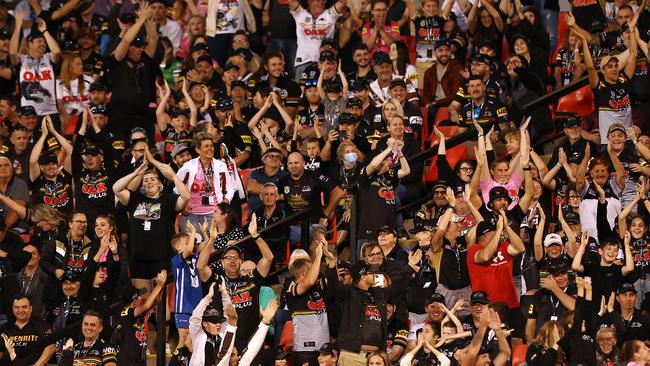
x=494 y=276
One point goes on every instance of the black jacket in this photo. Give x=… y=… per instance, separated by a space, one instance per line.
x=354 y=304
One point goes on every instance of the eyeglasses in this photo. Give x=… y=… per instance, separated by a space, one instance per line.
x=79 y=222
x=231 y=258
x=574 y=197
x=440 y=193
x=274 y=156
x=138 y=150
x=375 y=254
x=466 y=169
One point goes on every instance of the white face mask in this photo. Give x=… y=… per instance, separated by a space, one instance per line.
x=350 y=157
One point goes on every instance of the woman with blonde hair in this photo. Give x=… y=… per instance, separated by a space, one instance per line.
x=544 y=349
x=72 y=89
x=378 y=358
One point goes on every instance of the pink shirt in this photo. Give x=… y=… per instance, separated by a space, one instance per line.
x=512 y=185
x=197 y=192
x=391 y=28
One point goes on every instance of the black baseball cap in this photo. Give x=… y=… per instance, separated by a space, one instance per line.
x=130 y=293
x=397 y=82
x=230 y=66
x=97 y=86
x=213 y=315
x=481 y=58
x=626 y=287
x=139 y=42
x=485 y=227
x=423 y=225
x=72 y=276
x=91 y=149
x=333 y=87
x=327 y=56
x=329 y=349
x=47 y=158
x=442 y=42
x=245 y=53
x=200 y=46
x=387 y=229
x=499 y=192
x=4 y=33
x=204 y=58
x=355 y=102
x=347 y=119
x=572 y=120
x=239 y=83
x=26 y=110
x=479 y=297
x=235 y=248
x=557 y=268
x=485 y=43
x=572 y=217
x=440 y=184
x=436 y=297
x=359 y=269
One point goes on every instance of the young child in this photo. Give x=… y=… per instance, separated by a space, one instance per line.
x=313 y=161
x=187 y=283
x=175 y=126
x=335 y=98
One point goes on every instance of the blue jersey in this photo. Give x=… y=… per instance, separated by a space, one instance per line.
x=187 y=284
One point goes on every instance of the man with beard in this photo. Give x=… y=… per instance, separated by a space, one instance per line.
x=435 y=310
x=379 y=89
x=289 y=90
x=441 y=80
x=479 y=66
x=361 y=58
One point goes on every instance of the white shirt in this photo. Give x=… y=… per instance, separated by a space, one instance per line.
x=37 y=84
x=379 y=94
x=310 y=32
x=172 y=30
x=74 y=102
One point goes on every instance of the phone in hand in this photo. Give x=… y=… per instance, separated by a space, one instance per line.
x=380 y=280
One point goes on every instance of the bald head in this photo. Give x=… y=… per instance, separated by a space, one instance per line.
x=296 y=165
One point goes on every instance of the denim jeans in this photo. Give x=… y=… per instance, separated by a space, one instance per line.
x=288 y=48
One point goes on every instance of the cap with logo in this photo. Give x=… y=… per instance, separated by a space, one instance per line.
x=127 y=18
x=626 y=287
x=329 y=349
x=98 y=109
x=397 y=82
x=179 y=149
x=359 y=269
x=442 y=42
x=481 y=58
x=571 y=217
x=332 y=87
x=139 y=42
x=485 y=227
x=572 y=120
x=327 y=56
x=436 y=297
x=616 y=127
x=479 y=297
x=200 y=47
x=213 y=315
x=358 y=84
x=224 y=104
x=499 y=192
x=386 y=229
x=552 y=239
x=72 y=276
x=355 y=102
x=239 y=83
x=92 y=149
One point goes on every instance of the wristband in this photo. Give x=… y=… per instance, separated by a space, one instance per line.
x=255 y=237
x=526 y=169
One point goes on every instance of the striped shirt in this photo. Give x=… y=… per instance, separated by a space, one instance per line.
x=309 y=315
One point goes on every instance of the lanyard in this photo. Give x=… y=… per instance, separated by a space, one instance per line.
x=207 y=175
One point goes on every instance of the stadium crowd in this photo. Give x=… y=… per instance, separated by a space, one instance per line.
x=256 y=166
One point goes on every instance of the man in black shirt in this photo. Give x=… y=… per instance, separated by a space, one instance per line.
x=483 y=109
x=301 y=190
x=364 y=71
x=289 y=90
x=630 y=323
x=28 y=336
x=131 y=73
x=412 y=113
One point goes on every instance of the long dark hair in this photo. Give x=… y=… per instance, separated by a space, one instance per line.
x=402 y=57
x=231 y=221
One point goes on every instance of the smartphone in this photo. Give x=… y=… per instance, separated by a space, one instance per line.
x=343 y=134
x=380 y=280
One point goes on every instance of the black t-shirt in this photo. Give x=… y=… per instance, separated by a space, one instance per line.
x=614 y=97
x=305 y=192
x=371 y=332
x=605 y=280
x=377 y=201
x=94 y=65
x=180 y=357
x=133 y=332
x=94 y=193
x=281 y=22
x=492 y=89
x=27 y=341
x=307 y=116
x=152 y=226
x=55 y=193
x=289 y=90
x=453 y=267
x=397 y=335
x=173 y=138
x=413 y=119
x=490 y=113
x=8 y=86
x=244 y=294
x=132 y=86
x=587 y=12
x=546 y=306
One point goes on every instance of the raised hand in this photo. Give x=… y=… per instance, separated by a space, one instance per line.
x=211 y=290
x=561 y=156
x=584 y=239
x=42 y=26
x=252 y=227
x=161 y=278
x=415 y=257
x=269 y=312
x=451 y=198
x=610 y=302
x=9 y=346
x=232 y=315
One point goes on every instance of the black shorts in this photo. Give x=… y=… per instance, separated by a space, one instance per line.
x=148 y=269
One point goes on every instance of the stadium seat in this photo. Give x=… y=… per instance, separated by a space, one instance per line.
x=286 y=338
x=580 y=102
x=453 y=156
x=441 y=115
x=519 y=354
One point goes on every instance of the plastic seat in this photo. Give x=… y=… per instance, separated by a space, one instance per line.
x=286 y=338
x=454 y=155
x=580 y=102
x=519 y=354
x=441 y=115
x=448 y=131
x=425 y=125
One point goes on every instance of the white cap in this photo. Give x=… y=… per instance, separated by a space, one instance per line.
x=552 y=239
x=297 y=254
